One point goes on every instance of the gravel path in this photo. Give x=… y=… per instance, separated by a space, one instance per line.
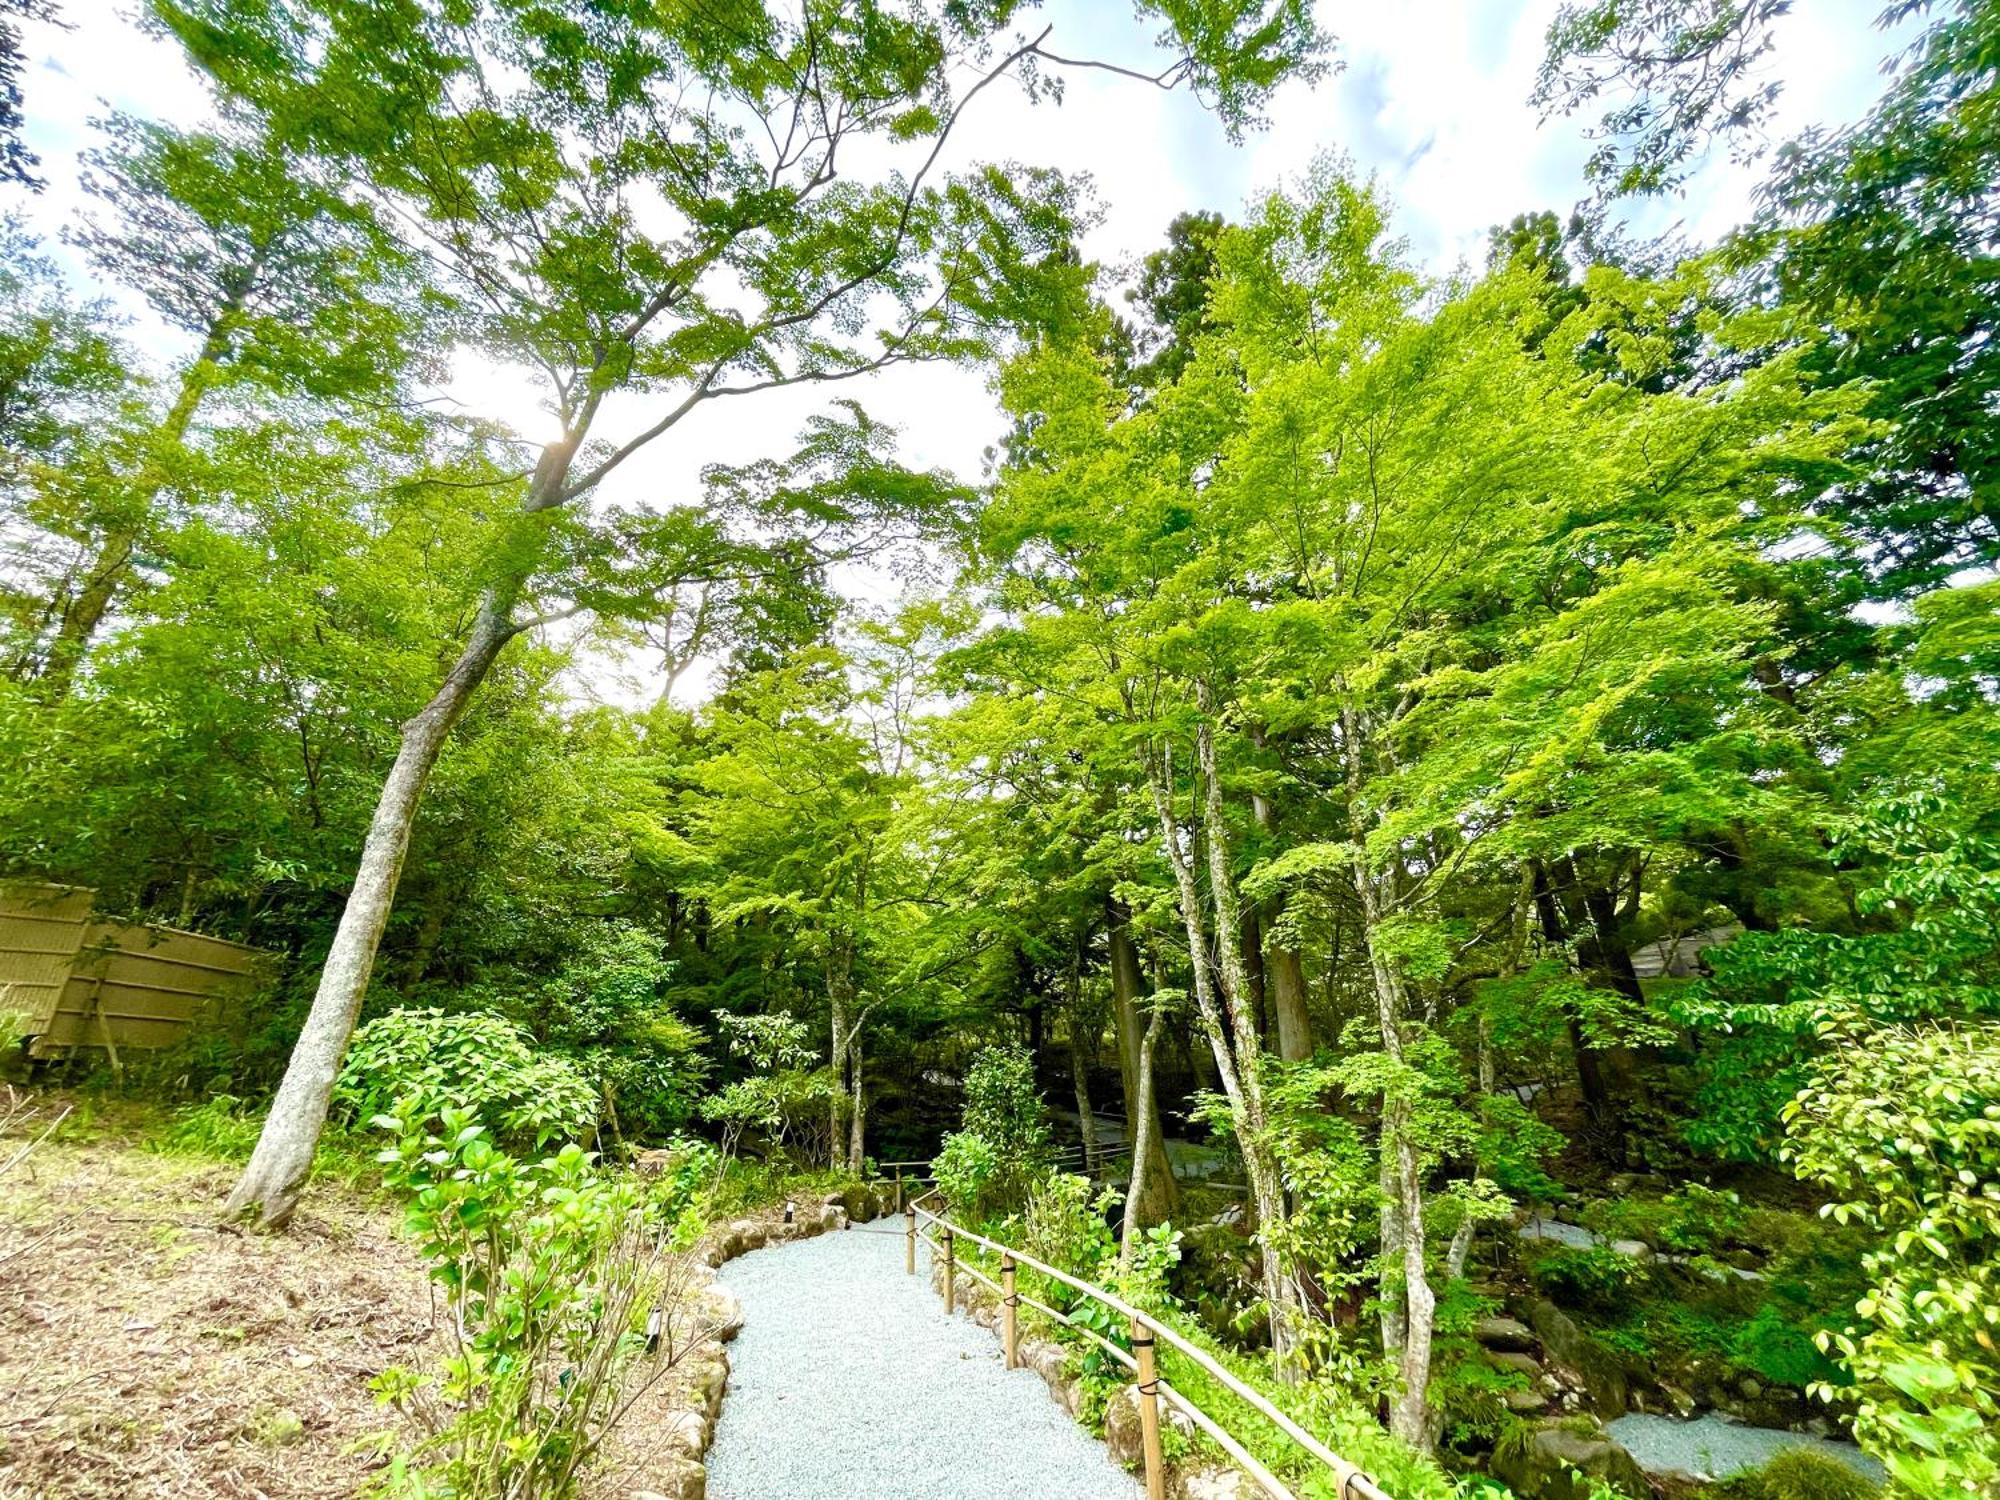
x=848 y=1380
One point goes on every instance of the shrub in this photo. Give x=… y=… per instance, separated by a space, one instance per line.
x=964 y=1168
x=1064 y=1224
x=550 y=1268
x=1799 y=1474
x=415 y=1064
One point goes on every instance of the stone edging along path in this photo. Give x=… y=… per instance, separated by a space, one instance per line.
x=689 y=1423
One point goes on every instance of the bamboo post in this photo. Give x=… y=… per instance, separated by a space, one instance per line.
x=950 y=1271
x=1010 y=1301
x=899 y=1189
x=910 y=1239
x=1149 y=1411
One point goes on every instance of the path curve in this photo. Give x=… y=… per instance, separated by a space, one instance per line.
x=849 y=1380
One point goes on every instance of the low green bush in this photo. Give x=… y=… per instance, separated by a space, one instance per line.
x=1799 y=1474
x=416 y=1064
x=550 y=1268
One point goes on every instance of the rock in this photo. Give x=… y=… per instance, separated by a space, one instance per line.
x=721 y=1312
x=1215 y=1484
x=282 y=1428
x=1504 y=1333
x=654 y=1163
x=1048 y=1361
x=1525 y=1403
x=1594 y=1368
x=1681 y=1403
x=1750 y=1388
x=861 y=1203
x=679 y=1479
x=1544 y=1466
x=1521 y=1364
x=1122 y=1432
x=1636 y=1249
x=687 y=1433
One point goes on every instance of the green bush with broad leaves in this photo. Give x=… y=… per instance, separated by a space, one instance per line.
x=415 y=1064
x=551 y=1268
x=1904 y=1127
x=989 y=1166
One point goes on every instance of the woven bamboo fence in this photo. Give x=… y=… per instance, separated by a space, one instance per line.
x=68 y=980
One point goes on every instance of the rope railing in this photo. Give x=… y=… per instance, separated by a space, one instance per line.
x=1349 y=1482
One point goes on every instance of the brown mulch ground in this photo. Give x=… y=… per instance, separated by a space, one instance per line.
x=145 y=1352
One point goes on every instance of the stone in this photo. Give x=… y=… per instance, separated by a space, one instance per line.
x=721 y=1312
x=1635 y=1249
x=1504 y=1333
x=281 y=1428
x=1750 y=1388
x=1521 y=1364
x=654 y=1163
x=1546 y=1465
x=1678 y=1401
x=1047 y=1360
x=1123 y=1434
x=1592 y=1366
x=1215 y=1484
x=1525 y=1403
x=679 y=1479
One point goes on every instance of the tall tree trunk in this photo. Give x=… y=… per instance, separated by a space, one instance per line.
x=1231 y=1032
x=839 y=966
x=283 y=1159
x=857 y=1117
x=1402 y=1179
x=1155 y=1195
x=1597 y=1100
x=1403 y=1242
x=1287 y=975
x=1144 y=1144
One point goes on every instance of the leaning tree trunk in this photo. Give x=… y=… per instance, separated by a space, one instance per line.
x=278 y=1168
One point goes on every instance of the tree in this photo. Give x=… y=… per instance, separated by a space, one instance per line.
x=17 y=162
x=516 y=146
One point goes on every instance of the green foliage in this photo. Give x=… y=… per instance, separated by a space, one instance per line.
x=1002 y=1153
x=1904 y=1128
x=549 y=1268
x=415 y=1063
x=1066 y=1222
x=784 y=1091
x=1799 y=1474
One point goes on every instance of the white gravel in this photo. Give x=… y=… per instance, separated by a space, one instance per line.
x=1710 y=1447
x=849 y=1380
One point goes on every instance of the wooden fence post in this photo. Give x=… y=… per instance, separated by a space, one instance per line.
x=1149 y=1411
x=910 y=1239
x=899 y=1190
x=950 y=1272
x=1010 y=1328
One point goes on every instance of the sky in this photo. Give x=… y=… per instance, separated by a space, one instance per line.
x=1430 y=98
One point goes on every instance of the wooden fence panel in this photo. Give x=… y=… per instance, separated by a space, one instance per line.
x=142 y=987
x=41 y=929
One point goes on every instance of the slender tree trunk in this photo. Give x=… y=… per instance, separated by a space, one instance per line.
x=1155 y=1196
x=1086 y=1123
x=857 y=1118
x=1144 y=1144
x=283 y=1159
x=1231 y=1032
x=1403 y=1241
x=1287 y=976
x=841 y=1027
